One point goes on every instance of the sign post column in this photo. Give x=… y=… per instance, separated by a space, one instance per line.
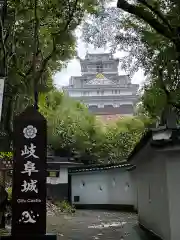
x=29 y=177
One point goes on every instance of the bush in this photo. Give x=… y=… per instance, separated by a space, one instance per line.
x=65 y=206
x=9 y=191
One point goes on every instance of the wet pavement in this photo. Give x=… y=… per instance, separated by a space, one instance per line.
x=96 y=225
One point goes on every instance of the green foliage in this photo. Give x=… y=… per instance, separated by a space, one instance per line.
x=65 y=207
x=148 y=32
x=120 y=138
x=73 y=131
x=50 y=34
x=9 y=191
x=153 y=99
x=6 y=155
x=4 y=232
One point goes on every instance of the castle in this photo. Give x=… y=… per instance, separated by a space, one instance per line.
x=106 y=93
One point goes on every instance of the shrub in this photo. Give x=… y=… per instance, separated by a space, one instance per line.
x=9 y=191
x=65 y=206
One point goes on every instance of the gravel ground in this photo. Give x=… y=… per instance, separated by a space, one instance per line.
x=97 y=225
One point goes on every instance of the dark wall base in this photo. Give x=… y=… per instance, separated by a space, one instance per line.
x=125 y=208
x=57 y=192
x=69 y=188
x=34 y=237
x=149 y=233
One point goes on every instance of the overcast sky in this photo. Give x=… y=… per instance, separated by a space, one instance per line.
x=73 y=68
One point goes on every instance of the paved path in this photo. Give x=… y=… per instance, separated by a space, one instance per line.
x=96 y=225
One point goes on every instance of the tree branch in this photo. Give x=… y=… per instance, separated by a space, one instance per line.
x=145 y=16
x=24 y=75
x=45 y=61
x=168 y=94
x=36 y=47
x=4 y=11
x=3 y=14
x=3 y=47
x=11 y=31
x=158 y=13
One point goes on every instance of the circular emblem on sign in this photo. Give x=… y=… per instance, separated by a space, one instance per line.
x=30 y=132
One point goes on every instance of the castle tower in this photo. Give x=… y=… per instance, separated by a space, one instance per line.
x=101 y=88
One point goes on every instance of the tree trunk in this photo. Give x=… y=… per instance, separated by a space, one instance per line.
x=2 y=200
x=5 y=143
x=6 y=122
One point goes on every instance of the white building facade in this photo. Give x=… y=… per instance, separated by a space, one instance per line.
x=101 y=88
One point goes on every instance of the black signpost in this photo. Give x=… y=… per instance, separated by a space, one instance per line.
x=29 y=177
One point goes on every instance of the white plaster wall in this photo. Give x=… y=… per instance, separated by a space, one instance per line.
x=63 y=177
x=153 y=208
x=134 y=181
x=122 y=191
x=95 y=93
x=113 y=183
x=112 y=103
x=173 y=176
x=90 y=193
x=75 y=94
x=125 y=93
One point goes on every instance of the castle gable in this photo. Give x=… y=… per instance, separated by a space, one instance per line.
x=100 y=79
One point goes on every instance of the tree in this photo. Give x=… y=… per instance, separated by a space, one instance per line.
x=72 y=130
x=162 y=17
x=151 y=44
x=121 y=137
x=36 y=39
x=153 y=99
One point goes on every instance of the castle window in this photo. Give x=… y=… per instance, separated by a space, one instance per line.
x=99 y=68
x=100 y=105
x=115 y=105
